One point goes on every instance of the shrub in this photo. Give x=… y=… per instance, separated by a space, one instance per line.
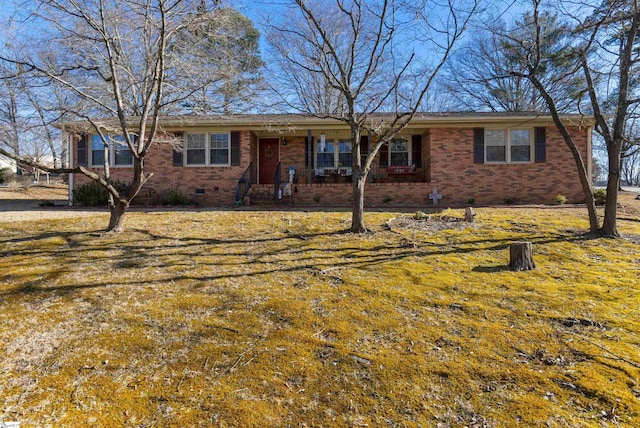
x=387 y=199
x=6 y=175
x=509 y=200
x=175 y=197
x=471 y=201
x=561 y=199
x=600 y=195
x=93 y=194
x=316 y=198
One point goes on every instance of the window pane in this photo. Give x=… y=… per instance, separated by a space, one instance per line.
x=496 y=154
x=325 y=157
x=196 y=149
x=399 y=153
x=345 y=147
x=97 y=151
x=520 y=137
x=97 y=157
x=399 y=159
x=123 y=155
x=325 y=160
x=344 y=154
x=326 y=147
x=196 y=156
x=494 y=137
x=219 y=157
x=196 y=141
x=344 y=159
x=219 y=141
x=219 y=146
x=520 y=153
x=399 y=146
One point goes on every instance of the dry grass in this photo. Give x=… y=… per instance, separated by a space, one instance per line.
x=279 y=319
x=53 y=192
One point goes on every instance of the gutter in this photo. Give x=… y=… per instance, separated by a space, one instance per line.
x=291 y=122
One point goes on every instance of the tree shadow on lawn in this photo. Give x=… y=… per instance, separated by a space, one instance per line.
x=490 y=269
x=296 y=252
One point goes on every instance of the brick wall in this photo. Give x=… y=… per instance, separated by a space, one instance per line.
x=219 y=183
x=459 y=179
x=447 y=160
x=293 y=152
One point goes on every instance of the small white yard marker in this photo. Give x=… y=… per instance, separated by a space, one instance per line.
x=435 y=196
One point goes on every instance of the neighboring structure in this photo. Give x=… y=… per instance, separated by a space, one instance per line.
x=470 y=158
x=6 y=162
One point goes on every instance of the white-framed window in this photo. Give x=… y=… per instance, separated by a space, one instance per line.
x=118 y=151
x=196 y=149
x=508 y=145
x=334 y=153
x=326 y=154
x=399 y=152
x=520 y=147
x=495 y=145
x=208 y=149
x=345 y=153
x=220 y=149
x=396 y=153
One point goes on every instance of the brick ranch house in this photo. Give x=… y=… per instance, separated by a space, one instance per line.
x=468 y=158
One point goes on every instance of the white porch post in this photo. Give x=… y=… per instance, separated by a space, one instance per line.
x=68 y=140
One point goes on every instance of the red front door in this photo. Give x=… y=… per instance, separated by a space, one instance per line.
x=268 y=158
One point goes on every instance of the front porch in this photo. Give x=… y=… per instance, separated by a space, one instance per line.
x=315 y=170
x=319 y=157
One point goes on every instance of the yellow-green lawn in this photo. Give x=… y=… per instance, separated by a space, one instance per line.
x=248 y=318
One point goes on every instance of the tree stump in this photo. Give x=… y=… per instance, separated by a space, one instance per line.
x=469 y=214
x=521 y=256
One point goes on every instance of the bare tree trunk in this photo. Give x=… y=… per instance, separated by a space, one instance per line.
x=587 y=187
x=116 y=221
x=589 y=200
x=609 y=225
x=357 y=217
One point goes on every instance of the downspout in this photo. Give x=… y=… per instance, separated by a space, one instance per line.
x=372 y=175
x=309 y=155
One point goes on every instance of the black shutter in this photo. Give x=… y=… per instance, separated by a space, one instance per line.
x=384 y=155
x=308 y=151
x=541 y=144
x=235 y=148
x=478 y=145
x=178 y=150
x=83 y=151
x=416 y=150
